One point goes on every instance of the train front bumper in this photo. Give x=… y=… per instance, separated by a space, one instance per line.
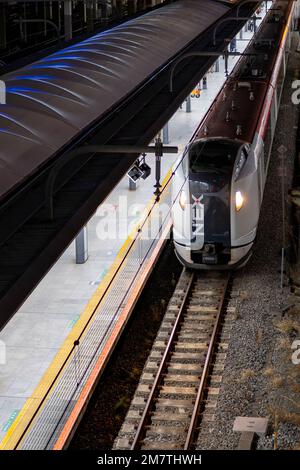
x=239 y=257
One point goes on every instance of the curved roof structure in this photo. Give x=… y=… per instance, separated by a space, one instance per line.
x=50 y=101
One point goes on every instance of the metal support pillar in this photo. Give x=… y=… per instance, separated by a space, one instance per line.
x=2 y=26
x=97 y=10
x=81 y=244
x=113 y=6
x=59 y=15
x=24 y=29
x=90 y=16
x=84 y=12
x=119 y=8
x=104 y=12
x=158 y=155
x=132 y=185
x=45 y=19
x=166 y=139
x=188 y=106
x=226 y=54
x=132 y=7
x=68 y=20
x=217 y=66
x=140 y=5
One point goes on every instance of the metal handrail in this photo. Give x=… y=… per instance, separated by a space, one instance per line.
x=41 y=20
x=232 y=18
x=225 y=53
x=244 y=3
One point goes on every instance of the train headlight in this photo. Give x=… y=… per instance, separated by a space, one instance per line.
x=183 y=200
x=239 y=200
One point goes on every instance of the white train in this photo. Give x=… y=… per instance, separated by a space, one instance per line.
x=219 y=181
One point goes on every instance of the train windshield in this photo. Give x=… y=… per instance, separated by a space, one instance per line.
x=217 y=156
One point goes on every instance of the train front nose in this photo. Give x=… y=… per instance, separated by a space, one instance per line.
x=211 y=164
x=210 y=201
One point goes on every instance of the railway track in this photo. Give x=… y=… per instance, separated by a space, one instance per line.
x=178 y=390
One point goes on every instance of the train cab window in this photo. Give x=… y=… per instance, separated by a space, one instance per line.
x=213 y=156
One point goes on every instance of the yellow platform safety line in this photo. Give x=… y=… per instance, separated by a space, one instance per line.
x=32 y=404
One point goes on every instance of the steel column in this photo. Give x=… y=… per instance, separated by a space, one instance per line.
x=166 y=139
x=2 y=26
x=188 y=106
x=68 y=20
x=81 y=246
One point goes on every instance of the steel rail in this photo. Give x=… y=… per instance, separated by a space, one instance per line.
x=159 y=375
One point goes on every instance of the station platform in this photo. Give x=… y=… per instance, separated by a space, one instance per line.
x=59 y=341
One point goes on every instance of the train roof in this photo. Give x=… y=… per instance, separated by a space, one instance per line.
x=52 y=100
x=236 y=110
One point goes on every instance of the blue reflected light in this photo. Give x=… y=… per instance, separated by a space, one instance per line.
x=61 y=56
x=18 y=89
x=35 y=77
x=51 y=66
